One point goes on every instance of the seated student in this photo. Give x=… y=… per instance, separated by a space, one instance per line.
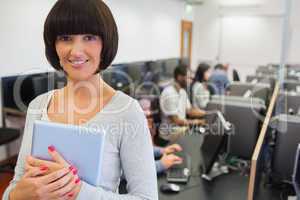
x=81 y=39
x=166 y=157
x=175 y=106
x=199 y=91
x=220 y=79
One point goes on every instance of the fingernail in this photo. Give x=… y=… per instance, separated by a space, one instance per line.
x=51 y=148
x=71 y=168
x=77 y=181
x=75 y=171
x=70 y=194
x=43 y=168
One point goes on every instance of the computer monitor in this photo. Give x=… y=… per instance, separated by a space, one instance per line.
x=184 y=61
x=259 y=90
x=43 y=83
x=287 y=140
x=170 y=65
x=288 y=103
x=296 y=173
x=266 y=70
x=268 y=79
x=135 y=70
x=117 y=77
x=246 y=118
x=151 y=72
x=291 y=86
x=214 y=140
x=17 y=92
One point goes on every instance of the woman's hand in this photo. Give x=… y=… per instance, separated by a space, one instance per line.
x=35 y=183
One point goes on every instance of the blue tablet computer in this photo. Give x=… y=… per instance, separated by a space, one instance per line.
x=80 y=146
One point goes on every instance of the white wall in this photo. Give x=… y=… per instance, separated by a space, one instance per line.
x=148 y=30
x=244 y=37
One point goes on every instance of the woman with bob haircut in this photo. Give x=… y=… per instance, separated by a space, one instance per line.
x=81 y=39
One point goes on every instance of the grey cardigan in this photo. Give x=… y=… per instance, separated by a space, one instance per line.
x=128 y=150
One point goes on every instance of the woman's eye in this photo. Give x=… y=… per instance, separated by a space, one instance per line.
x=64 y=38
x=90 y=37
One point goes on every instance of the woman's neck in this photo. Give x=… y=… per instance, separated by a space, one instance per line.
x=91 y=88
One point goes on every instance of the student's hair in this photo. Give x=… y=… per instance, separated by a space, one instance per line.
x=219 y=66
x=68 y=17
x=181 y=69
x=201 y=69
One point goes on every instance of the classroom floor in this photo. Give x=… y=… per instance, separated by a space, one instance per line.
x=5 y=178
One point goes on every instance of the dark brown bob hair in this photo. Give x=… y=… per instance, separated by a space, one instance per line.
x=70 y=17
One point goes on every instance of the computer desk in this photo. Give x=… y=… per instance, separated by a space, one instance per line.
x=232 y=186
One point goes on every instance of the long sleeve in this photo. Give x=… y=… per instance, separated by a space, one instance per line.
x=160 y=168
x=137 y=161
x=157 y=152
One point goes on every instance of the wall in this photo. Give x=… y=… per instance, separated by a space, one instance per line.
x=244 y=37
x=148 y=30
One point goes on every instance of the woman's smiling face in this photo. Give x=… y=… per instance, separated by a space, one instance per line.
x=79 y=55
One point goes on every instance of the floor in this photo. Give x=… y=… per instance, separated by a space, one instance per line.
x=5 y=178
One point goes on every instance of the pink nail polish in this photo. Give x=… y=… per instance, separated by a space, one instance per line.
x=51 y=148
x=71 y=168
x=77 y=181
x=70 y=194
x=43 y=168
x=75 y=171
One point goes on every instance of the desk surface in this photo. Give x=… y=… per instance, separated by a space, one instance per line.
x=232 y=186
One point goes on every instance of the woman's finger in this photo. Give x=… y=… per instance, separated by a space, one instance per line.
x=36 y=171
x=60 y=183
x=56 y=156
x=35 y=162
x=55 y=175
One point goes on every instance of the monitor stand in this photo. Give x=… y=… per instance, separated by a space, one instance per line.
x=217 y=170
x=292 y=198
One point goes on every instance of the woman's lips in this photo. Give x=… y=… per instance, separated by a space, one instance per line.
x=78 y=63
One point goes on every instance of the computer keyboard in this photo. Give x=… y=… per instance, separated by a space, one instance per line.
x=180 y=173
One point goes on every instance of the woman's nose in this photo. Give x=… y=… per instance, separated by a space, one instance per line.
x=76 y=48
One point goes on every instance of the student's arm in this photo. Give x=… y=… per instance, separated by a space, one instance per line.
x=195 y=113
x=185 y=122
x=157 y=151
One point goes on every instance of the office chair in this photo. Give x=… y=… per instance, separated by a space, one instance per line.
x=7 y=135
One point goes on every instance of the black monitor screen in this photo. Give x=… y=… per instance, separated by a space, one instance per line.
x=213 y=141
x=17 y=92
